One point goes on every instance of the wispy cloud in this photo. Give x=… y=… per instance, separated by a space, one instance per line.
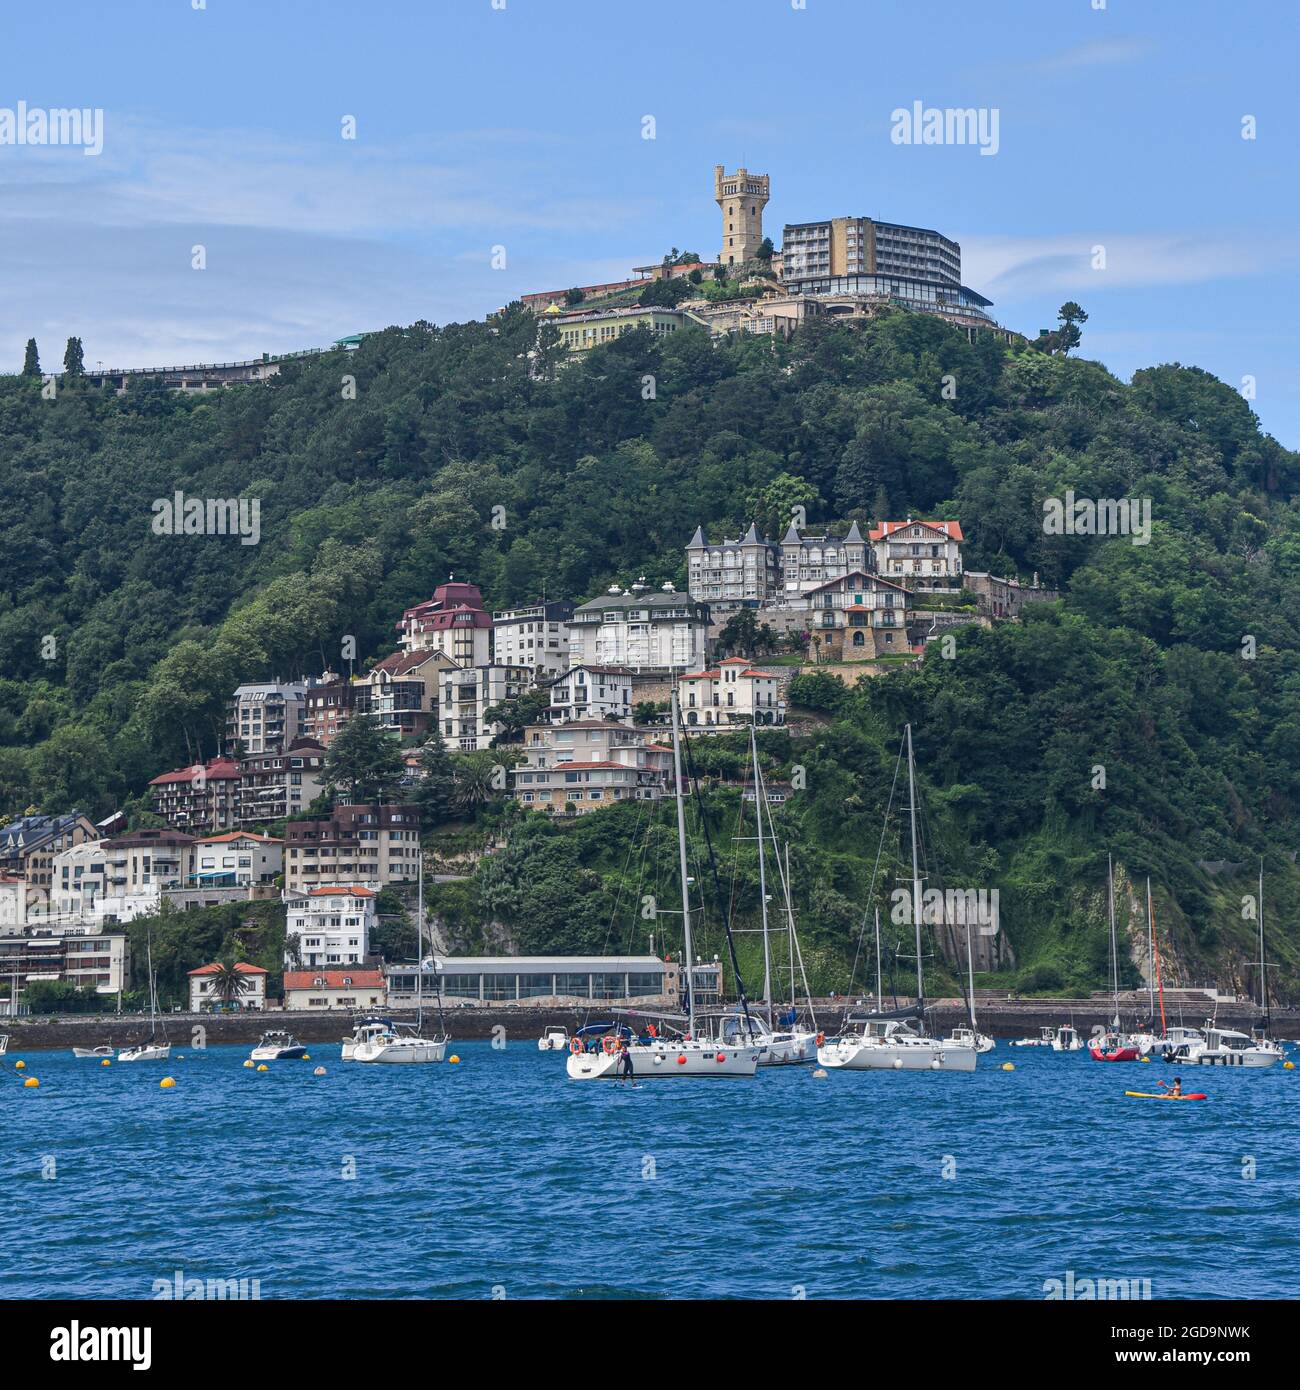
x=1100 y=53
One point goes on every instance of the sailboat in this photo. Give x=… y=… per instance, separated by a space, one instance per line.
x=151 y=1050
x=1113 y=1046
x=596 y=1051
x=400 y=1042
x=971 y=1037
x=879 y=1044
x=785 y=1043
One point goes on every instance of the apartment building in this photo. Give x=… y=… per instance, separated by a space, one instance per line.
x=237 y=859
x=811 y=558
x=328 y=926
x=744 y=572
x=403 y=691
x=641 y=630
x=274 y=785
x=200 y=799
x=13 y=904
x=733 y=692
x=265 y=718
x=592 y=692
x=536 y=636
x=857 y=617
x=580 y=332
x=29 y=845
x=465 y=698
x=453 y=622
x=138 y=867
x=365 y=845
x=87 y=958
x=330 y=703
x=570 y=769
x=918 y=553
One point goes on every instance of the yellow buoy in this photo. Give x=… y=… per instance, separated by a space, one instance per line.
x=320 y=1071
x=31 y=1083
x=106 y=1063
x=1008 y=1066
x=249 y=1064
x=19 y=1066
x=453 y=1058
x=1288 y=1066
x=1144 y=1059
x=306 y=1056
x=261 y=1066
x=167 y=1082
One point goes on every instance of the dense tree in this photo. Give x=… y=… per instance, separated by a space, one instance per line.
x=363 y=762
x=31 y=359
x=73 y=359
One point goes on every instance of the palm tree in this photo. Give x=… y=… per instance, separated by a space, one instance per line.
x=228 y=983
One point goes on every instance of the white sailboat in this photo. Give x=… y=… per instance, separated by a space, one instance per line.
x=597 y=1052
x=893 y=1044
x=151 y=1050
x=971 y=1037
x=397 y=1043
x=1113 y=1045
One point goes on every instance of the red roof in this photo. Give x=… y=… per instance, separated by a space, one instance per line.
x=216 y=769
x=717 y=675
x=333 y=979
x=339 y=892
x=566 y=767
x=951 y=529
x=241 y=968
x=237 y=835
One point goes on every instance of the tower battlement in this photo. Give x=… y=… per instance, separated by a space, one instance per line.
x=741 y=197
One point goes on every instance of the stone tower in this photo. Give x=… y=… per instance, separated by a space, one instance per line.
x=742 y=197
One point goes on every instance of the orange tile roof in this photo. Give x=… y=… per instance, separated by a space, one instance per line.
x=237 y=835
x=951 y=529
x=306 y=979
x=241 y=968
x=339 y=892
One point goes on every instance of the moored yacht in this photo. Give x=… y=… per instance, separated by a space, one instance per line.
x=891 y=1045
x=1046 y=1038
x=152 y=1049
x=1226 y=1047
x=554 y=1039
x=399 y=1042
x=277 y=1046
x=1066 y=1039
x=104 y=1051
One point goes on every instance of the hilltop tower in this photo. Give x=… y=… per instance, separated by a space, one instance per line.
x=741 y=196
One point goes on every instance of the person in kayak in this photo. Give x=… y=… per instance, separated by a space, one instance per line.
x=1176 y=1089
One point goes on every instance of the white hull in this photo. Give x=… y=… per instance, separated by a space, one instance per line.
x=1075 y=1046
x=1232 y=1057
x=4 y=1043
x=276 y=1054
x=90 y=1051
x=400 y=1050
x=855 y=1054
x=152 y=1052
x=553 y=1042
x=663 y=1059
x=787 y=1049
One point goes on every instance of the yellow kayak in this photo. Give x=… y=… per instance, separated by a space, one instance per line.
x=1166 y=1095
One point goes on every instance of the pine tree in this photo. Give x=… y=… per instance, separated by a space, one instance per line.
x=363 y=762
x=31 y=359
x=435 y=793
x=73 y=360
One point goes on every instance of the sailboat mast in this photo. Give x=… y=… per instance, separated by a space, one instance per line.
x=688 y=944
x=759 y=798
x=970 y=976
x=1151 y=958
x=419 y=946
x=1114 y=945
x=880 y=998
x=916 y=875
x=1263 y=964
x=1160 y=986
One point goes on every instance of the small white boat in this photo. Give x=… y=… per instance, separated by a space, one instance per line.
x=553 y=1040
x=970 y=1037
x=890 y=1045
x=1067 y=1039
x=1177 y=1043
x=364 y=1029
x=4 y=1043
x=145 y=1052
x=1046 y=1038
x=104 y=1051
x=1226 y=1047
x=399 y=1043
x=277 y=1046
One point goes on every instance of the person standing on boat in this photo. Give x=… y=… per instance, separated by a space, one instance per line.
x=625 y=1060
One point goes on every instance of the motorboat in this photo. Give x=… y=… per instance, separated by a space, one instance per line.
x=4 y=1043
x=1177 y=1043
x=1066 y=1039
x=1113 y=1047
x=1226 y=1047
x=553 y=1040
x=971 y=1037
x=104 y=1051
x=1046 y=1038
x=893 y=1045
x=277 y=1046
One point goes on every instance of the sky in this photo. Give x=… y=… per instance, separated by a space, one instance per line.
x=521 y=125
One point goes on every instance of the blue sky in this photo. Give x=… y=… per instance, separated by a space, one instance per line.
x=522 y=127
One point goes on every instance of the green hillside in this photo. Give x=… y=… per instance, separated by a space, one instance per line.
x=1172 y=665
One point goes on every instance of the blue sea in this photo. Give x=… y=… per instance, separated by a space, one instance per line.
x=498 y=1177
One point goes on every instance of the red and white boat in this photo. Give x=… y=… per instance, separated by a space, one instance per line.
x=1114 y=1047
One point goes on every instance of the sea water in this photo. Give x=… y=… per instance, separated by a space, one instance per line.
x=500 y=1178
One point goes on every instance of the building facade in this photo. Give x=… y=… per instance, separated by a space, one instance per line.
x=29 y=844
x=641 y=630
x=592 y=692
x=330 y=704
x=238 y=859
x=274 y=785
x=328 y=926
x=580 y=332
x=84 y=957
x=744 y=572
x=733 y=692
x=202 y=799
x=535 y=980
x=856 y=618
x=204 y=998
x=811 y=558
x=265 y=718
x=570 y=769
x=466 y=697
x=918 y=552
x=366 y=845
x=334 y=989
x=741 y=198
x=453 y=622
x=536 y=636
x=403 y=691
